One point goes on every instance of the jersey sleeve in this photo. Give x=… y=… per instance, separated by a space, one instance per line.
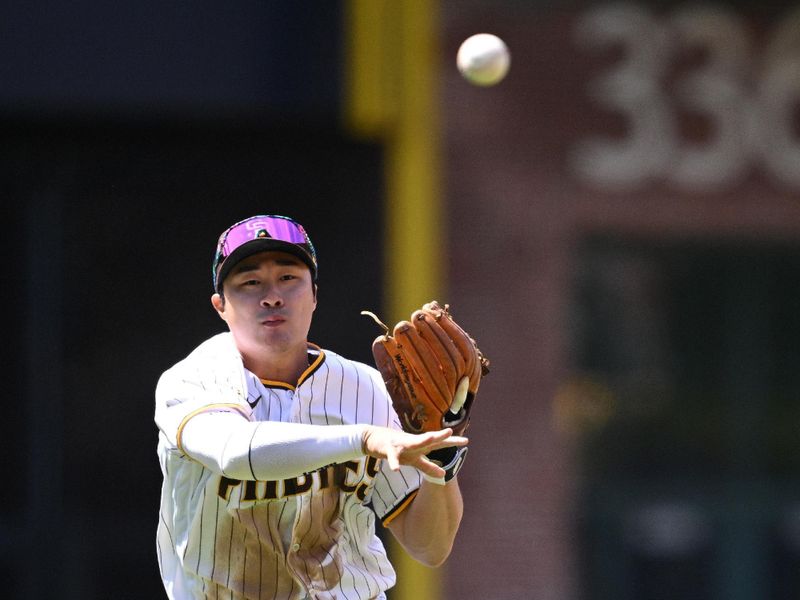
x=182 y=393
x=393 y=491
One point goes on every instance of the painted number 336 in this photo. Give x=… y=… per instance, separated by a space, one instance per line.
x=748 y=101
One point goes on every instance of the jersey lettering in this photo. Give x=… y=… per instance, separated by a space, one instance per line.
x=372 y=466
x=353 y=476
x=297 y=485
x=341 y=472
x=260 y=490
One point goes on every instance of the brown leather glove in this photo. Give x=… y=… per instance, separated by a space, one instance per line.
x=432 y=369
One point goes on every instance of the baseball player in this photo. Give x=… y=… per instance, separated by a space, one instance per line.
x=277 y=455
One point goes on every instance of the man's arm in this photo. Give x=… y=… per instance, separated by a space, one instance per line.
x=229 y=444
x=428 y=527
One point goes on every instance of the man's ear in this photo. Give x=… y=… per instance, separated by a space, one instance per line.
x=218 y=302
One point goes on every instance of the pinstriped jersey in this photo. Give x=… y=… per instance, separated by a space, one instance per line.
x=309 y=536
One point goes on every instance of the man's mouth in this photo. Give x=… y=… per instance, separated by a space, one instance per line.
x=273 y=321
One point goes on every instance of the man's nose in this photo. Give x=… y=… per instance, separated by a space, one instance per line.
x=272 y=298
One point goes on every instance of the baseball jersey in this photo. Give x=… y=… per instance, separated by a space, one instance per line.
x=309 y=536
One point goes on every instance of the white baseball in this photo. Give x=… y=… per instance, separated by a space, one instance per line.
x=483 y=59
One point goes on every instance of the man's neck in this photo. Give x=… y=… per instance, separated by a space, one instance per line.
x=284 y=367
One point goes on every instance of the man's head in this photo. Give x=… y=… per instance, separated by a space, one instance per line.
x=266 y=268
x=258 y=234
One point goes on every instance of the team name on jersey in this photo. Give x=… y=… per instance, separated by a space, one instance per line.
x=352 y=477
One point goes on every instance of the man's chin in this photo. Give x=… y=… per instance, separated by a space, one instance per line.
x=277 y=340
x=274 y=339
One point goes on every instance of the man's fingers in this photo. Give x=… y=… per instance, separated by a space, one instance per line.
x=443 y=436
x=455 y=440
x=400 y=448
x=436 y=436
x=433 y=440
x=394 y=461
x=448 y=440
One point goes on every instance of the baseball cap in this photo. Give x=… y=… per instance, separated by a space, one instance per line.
x=257 y=234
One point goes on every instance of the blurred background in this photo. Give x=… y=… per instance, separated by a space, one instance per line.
x=617 y=223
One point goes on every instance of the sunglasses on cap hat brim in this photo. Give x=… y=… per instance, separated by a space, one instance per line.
x=257 y=234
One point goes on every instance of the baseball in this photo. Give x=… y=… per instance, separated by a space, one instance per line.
x=483 y=59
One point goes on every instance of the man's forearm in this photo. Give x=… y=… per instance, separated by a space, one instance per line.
x=428 y=527
x=228 y=444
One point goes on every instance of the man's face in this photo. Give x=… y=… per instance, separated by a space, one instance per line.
x=269 y=302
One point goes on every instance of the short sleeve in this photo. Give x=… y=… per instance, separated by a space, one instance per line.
x=180 y=396
x=393 y=491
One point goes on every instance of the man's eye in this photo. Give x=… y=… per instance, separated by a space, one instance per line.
x=288 y=276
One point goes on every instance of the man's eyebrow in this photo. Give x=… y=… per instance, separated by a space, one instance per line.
x=287 y=262
x=244 y=266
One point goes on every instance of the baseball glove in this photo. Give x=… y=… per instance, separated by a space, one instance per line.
x=432 y=369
